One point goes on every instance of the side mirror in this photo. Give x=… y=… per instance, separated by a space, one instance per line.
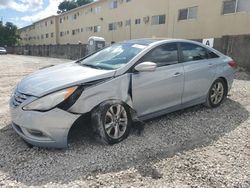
x=146 y=67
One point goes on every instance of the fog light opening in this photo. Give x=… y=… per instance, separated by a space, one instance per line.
x=35 y=133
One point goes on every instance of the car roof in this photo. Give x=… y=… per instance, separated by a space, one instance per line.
x=142 y=41
x=152 y=41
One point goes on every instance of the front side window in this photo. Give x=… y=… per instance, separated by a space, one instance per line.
x=192 y=52
x=163 y=55
x=113 y=57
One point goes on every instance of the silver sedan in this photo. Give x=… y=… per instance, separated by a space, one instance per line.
x=126 y=82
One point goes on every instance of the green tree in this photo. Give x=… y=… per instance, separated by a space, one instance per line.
x=83 y=2
x=8 y=34
x=71 y=4
x=65 y=6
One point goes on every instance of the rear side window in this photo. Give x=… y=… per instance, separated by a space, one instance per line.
x=163 y=55
x=212 y=55
x=192 y=52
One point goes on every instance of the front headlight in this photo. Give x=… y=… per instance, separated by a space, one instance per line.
x=50 y=101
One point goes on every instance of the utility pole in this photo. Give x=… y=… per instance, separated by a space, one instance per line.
x=130 y=29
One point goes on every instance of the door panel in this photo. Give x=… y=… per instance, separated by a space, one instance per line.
x=163 y=88
x=199 y=71
x=198 y=78
x=154 y=91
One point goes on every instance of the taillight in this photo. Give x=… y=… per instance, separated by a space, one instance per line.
x=232 y=64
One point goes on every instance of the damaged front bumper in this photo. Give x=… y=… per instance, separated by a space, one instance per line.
x=43 y=129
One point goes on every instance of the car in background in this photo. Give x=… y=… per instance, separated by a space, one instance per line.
x=3 y=50
x=127 y=82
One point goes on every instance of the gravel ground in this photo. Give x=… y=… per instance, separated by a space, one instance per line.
x=196 y=147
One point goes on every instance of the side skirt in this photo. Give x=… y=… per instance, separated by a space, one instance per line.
x=173 y=109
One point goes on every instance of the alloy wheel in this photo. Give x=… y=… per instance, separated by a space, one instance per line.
x=217 y=93
x=116 y=121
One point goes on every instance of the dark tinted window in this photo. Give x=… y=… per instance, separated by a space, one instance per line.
x=193 y=52
x=229 y=6
x=183 y=14
x=163 y=55
x=211 y=54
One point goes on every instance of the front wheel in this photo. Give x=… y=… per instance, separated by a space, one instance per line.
x=217 y=94
x=111 y=121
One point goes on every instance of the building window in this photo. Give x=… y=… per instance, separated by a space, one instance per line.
x=97 y=10
x=128 y=1
x=188 y=13
x=73 y=32
x=89 y=29
x=61 y=20
x=137 y=21
x=46 y=24
x=233 y=6
x=158 y=20
x=51 y=22
x=127 y=22
x=47 y=35
x=229 y=7
x=114 y=4
x=112 y=26
x=97 y=29
x=51 y=35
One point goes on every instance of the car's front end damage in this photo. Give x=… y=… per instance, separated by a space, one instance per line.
x=43 y=129
x=44 y=119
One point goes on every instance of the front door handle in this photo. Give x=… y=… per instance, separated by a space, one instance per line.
x=177 y=74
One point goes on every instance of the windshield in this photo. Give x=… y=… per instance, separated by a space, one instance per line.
x=113 y=57
x=1 y=48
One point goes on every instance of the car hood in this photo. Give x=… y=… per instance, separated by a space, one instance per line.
x=59 y=77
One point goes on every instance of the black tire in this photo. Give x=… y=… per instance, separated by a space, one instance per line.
x=210 y=101
x=99 y=118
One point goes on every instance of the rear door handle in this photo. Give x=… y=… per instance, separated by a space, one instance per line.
x=177 y=74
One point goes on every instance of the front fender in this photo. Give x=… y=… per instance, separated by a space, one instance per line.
x=117 y=88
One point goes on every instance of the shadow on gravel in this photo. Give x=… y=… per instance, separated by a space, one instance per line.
x=162 y=137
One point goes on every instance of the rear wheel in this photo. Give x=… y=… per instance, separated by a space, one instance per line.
x=111 y=121
x=217 y=93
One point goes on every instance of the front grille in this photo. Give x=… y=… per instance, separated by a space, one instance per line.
x=19 y=98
